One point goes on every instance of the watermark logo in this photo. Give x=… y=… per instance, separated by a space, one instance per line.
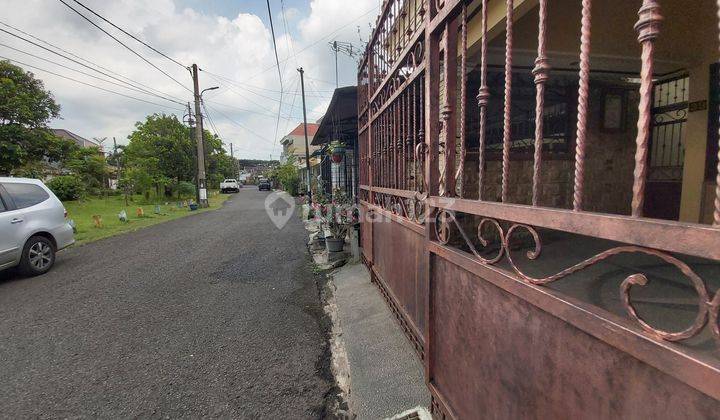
x=280 y=206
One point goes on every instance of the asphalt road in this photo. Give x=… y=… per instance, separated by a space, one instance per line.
x=213 y=315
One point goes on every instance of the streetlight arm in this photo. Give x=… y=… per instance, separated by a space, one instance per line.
x=210 y=88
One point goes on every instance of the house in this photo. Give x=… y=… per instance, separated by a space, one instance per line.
x=339 y=124
x=80 y=141
x=540 y=202
x=294 y=145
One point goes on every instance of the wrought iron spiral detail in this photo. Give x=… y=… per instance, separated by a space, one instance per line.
x=708 y=310
x=442 y=230
x=442 y=227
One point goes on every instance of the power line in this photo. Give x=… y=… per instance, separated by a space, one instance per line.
x=239 y=108
x=297 y=86
x=321 y=39
x=291 y=49
x=212 y=123
x=244 y=127
x=277 y=60
x=230 y=83
x=277 y=63
x=127 y=79
x=249 y=87
x=87 y=84
x=215 y=129
x=77 y=62
x=90 y=75
x=130 y=35
x=124 y=45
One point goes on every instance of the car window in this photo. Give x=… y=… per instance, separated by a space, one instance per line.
x=2 y=206
x=25 y=195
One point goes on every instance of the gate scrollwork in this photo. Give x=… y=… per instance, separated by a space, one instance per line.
x=708 y=310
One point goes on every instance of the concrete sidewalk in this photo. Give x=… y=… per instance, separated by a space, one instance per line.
x=385 y=375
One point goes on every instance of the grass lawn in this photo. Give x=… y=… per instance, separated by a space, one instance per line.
x=82 y=212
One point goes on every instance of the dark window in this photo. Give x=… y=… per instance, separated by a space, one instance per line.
x=25 y=195
x=2 y=205
x=558 y=116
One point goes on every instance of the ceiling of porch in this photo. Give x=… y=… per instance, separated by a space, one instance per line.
x=688 y=36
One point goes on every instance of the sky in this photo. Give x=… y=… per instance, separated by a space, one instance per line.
x=231 y=42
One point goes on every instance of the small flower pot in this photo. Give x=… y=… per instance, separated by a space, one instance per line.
x=193 y=207
x=337 y=154
x=335 y=244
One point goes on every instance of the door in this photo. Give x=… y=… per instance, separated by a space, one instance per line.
x=10 y=222
x=667 y=152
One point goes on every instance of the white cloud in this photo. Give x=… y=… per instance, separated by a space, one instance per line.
x=239 y=48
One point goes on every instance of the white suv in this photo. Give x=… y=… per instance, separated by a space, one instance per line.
x=33 y=226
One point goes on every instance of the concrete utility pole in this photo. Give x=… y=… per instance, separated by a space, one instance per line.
x=117 y=163
x=201 y=185
x=235 y=167
x=307 y=146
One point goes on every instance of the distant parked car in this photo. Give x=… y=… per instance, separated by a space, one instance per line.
x=264 y=185
x=229 y=185
x=33 y=226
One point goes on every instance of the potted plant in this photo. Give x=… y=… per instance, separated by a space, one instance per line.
x=319 y=211
x=337 y=151
x=338 y=220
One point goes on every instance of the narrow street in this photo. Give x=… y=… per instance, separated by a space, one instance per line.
x=213 y=315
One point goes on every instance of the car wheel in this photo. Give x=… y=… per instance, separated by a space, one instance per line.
x=38 y=256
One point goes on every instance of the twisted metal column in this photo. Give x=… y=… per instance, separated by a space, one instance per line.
x=483 y=98
x=648 y=29
x=463 y=92
x=541 y=77
x=507 y=127
x=447 y=113
x=582 y=105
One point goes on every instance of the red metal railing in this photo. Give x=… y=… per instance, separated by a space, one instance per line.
x=414 y=149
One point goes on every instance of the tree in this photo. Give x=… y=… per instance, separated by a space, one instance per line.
x=167 y=140
x=25 y=109
x=138 y=177
x=89 y=165
x=287 y=175
x=219 y=165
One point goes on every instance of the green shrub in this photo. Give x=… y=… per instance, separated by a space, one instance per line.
x=186 y=189
x=67 y=187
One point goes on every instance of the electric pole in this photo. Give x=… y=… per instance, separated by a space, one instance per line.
x=201 y=186
x=307 y=146
x=117 y=163
x=232 y=157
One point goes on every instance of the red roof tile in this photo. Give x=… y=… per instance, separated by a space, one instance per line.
x=312 y=128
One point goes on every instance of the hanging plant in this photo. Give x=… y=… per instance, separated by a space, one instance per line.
x=337 y=151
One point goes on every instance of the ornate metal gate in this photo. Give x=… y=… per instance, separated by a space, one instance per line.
x=499 y=335
x=667 y=151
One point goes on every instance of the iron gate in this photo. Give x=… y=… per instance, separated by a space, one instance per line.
x=498 y=339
